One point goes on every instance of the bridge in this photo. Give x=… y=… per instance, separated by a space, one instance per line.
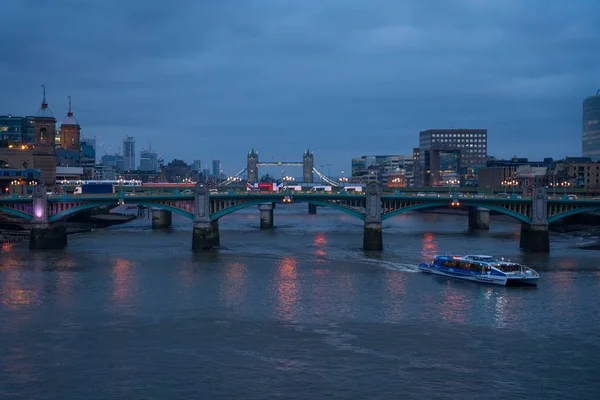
x=46 y=214
x=253 y=163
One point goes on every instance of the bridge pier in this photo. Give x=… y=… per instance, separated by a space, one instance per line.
x=205 y=233
x=204 y=236
x=479 y=218
x=48 y=236
x=215 y=230
x=45 y=235
x=161 y=218
x=535 y=236
x=373 y=235
x=312 y=208
x=266 y=215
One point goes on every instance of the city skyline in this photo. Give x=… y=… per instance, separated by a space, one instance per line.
x=211 y=81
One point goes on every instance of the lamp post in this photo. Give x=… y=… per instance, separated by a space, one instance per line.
x=14 y=187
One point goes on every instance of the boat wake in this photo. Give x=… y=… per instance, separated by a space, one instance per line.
x=393 y=266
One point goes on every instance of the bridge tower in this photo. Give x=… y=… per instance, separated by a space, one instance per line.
x=308 y=163
x=252 y=166
x=44 y=152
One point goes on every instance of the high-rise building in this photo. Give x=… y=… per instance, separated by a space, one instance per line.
x=591 y=127
x=148 y=161
x=447 y=154
x=129 y=153
x=216 y=168
x=197 y=165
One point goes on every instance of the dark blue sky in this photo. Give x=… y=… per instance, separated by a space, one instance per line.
x=213 y=78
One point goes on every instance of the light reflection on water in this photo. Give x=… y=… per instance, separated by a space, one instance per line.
x=453 y=304
x=429 y=246
x=123 y=278
x=286 y=288
x=233 y=286
x=320 y=243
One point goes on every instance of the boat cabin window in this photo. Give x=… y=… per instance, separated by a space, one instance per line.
x=465 y=265
x=509 y=267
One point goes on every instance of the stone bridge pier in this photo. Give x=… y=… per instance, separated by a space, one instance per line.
x=479 y=218
x=372 y=235
x=312 y=208
x=266 y=215
x=44 y=234
x=205 y=233
x=161 y=219
x=535 y=236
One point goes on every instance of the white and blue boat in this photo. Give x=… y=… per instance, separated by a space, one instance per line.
x=482 y=269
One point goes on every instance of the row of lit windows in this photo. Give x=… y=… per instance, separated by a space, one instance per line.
x=460 y=135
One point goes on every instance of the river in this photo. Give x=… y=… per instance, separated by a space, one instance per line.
x=299 y=312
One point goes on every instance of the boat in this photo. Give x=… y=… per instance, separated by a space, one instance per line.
x=481 y=269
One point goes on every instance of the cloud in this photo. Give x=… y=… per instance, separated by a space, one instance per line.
x=212 y=79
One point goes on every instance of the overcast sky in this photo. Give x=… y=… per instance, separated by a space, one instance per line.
x=204 y=79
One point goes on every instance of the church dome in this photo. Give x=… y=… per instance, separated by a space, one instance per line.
x=69 y=120
x=44 y=112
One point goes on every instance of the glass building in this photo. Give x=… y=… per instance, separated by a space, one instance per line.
x=591 y=127
x=148 y=161
x=129 y=154
x=216 y=168
x=15 y=130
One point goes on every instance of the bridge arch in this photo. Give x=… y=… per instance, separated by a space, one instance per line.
x=76 y=210
x=16 y=213
x=558 y=217
x=501 y=210
x=165 y=207
x=84 y=207
x=241 y=206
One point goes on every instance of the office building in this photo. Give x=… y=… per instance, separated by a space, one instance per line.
x=148 y=161
x=197 y=166
x=129 y=154
x=591 y=127
x=216 y=168
x=16 y=131
x=447 y=155
x=382 y=168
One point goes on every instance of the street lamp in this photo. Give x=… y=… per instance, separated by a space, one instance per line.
x=565 y=185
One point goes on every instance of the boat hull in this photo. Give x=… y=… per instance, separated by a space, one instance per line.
x=479 y=278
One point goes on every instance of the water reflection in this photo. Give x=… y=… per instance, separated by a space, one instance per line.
x=429 y=246
x=286 y=287
x=17 y=291
x=122 y=273
x=233 y=288
x=64 y=278
x=395 y=290
x=320 y=243
x=454 y=304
